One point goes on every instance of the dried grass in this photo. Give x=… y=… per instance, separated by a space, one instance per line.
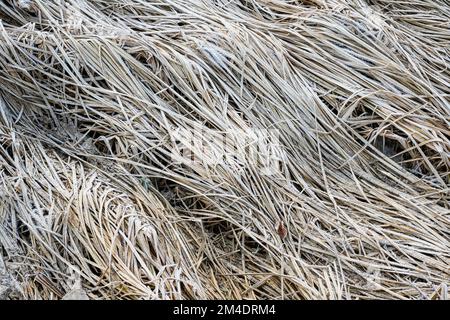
x=359 y=91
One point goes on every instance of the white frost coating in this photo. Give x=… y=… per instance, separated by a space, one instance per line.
x=24 y=4
x=75 y=20
x=215 y=54
x=9 y=287
x=77 y=292
x=374 y=18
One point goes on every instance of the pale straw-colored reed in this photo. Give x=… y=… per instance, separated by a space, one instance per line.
x=90 y=194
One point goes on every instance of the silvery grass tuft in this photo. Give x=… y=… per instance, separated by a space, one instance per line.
x=104 y=194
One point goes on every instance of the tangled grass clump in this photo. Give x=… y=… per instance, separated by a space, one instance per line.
x=94 y=198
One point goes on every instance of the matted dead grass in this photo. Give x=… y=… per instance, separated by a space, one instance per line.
x=92 y=201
